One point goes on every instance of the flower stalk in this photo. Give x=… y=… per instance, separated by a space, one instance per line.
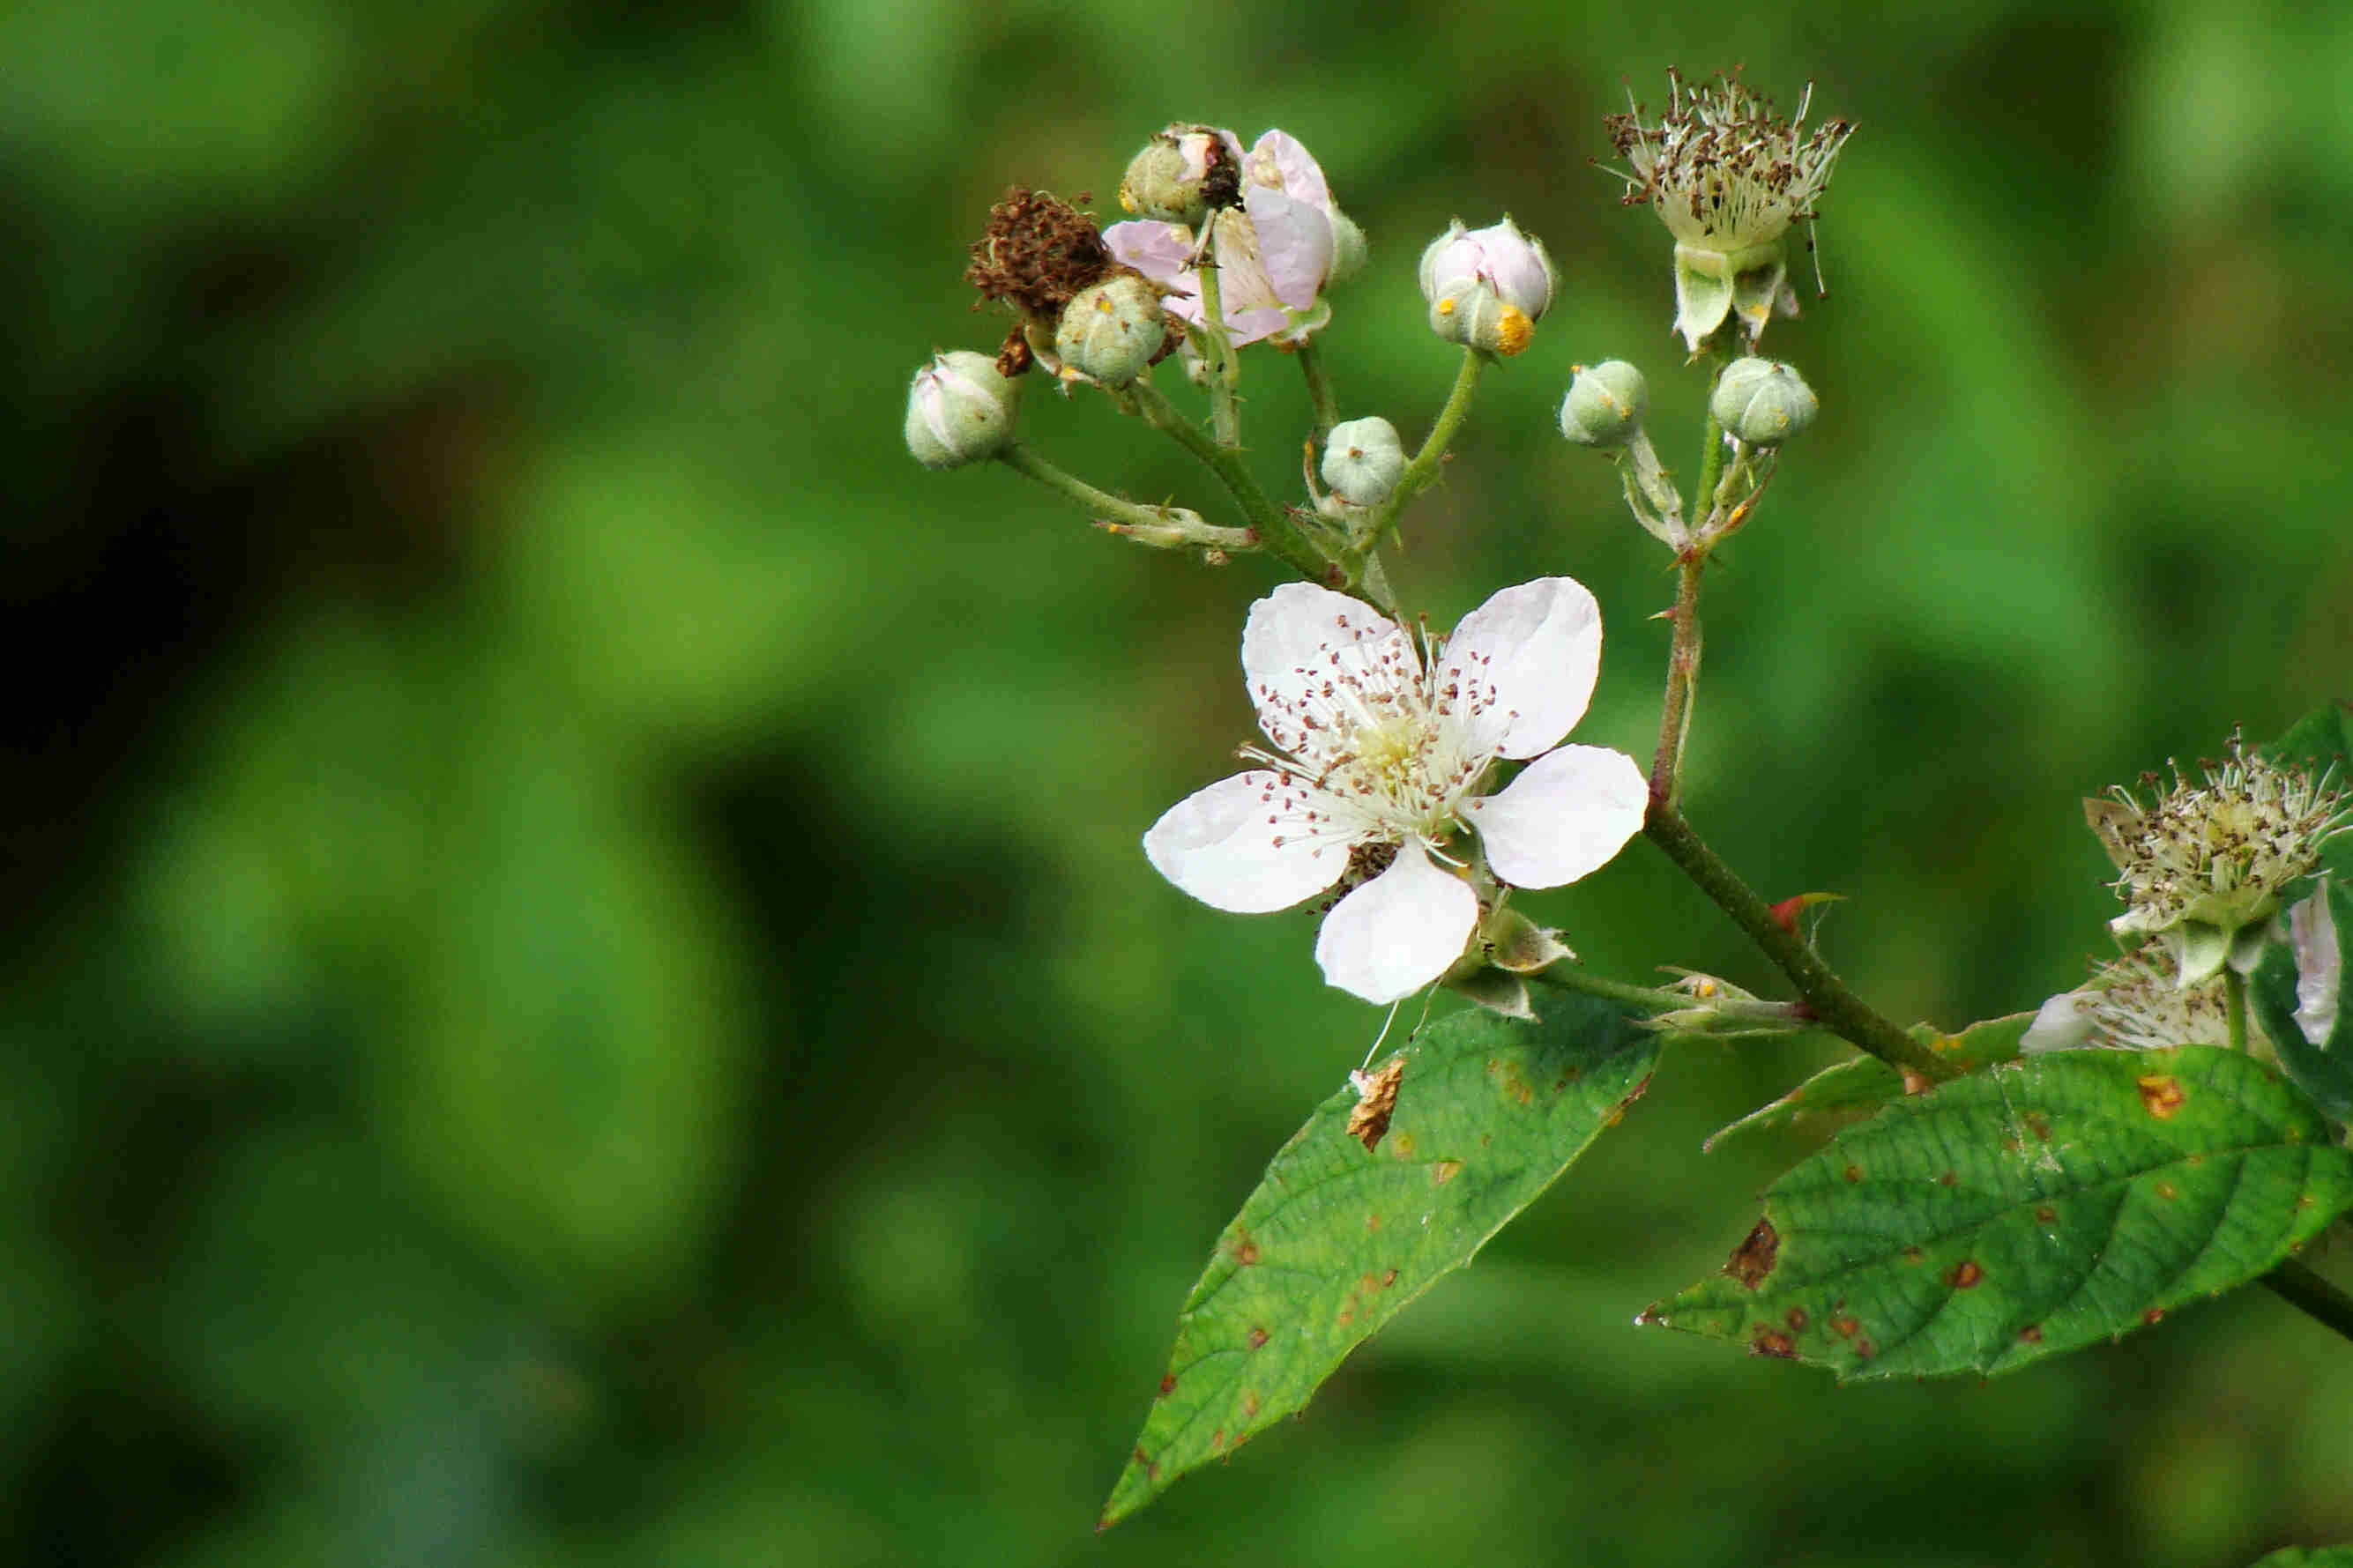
x=1273 y=526
x=1217 y=361
x=1832 y=1006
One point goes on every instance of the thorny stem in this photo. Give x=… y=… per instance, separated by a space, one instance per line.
x=1319 y=390
x=1225 y=413
x=1103 y=503
x=1274 y=525
x=1832 y=1006
x=1682 y=678
x=2315 y=1297
x=2235 y=1007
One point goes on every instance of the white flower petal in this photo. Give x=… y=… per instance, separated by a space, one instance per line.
x=1245 y=845
x=1530 y=653
x=1295 y=640
x=1399 y=931
x=1277 y=161
x=1567 y=814
x=2062 y=1024
x=2312 y=927
x=1164 y=253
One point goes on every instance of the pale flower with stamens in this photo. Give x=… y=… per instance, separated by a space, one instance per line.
x=1381 y=746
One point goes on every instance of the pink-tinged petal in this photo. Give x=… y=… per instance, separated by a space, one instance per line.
x=1567 y=814
x=1527 y=657
x=1399 y=931
x=1250 y=844
x=1294 y=244
x=1278 y=162
x=1298 y=640
x=1164 y=253
x=2312 y=927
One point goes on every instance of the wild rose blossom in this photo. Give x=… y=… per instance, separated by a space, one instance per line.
x=1380 y=747
x=1274 y=253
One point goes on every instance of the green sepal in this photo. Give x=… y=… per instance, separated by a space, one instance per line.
x=1350 y=1225
x=2055 y=1202
x=2323 y=1071
x=1866 y=1083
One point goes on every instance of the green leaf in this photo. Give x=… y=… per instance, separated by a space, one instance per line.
x=1866 y=1083
x=2324 y=1071
x=2005 y=1217
x=2308 y=1557
x=1338 y=1238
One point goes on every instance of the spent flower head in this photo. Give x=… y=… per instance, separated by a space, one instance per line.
x=2135 y=1002
x=1728 y=179
x=1382 y=743
x=2206 y=863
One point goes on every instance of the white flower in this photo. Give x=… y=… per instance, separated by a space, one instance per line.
x=1387 y=743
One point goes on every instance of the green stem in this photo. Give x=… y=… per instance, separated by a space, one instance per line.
x=2234 y=1006
x=1101 y=502
x=1422 y=471
x=1274 y=525
x=1682 y=680
x=1319 y=390
x=1376 y=585
x=1567 y=975
x=1832 y=1006
x=1711 y=474
x=2316 y=1298
x=1225 y=412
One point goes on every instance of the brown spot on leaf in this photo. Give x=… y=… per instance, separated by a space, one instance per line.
x=2010 y=1146
x=1753 y=1259
x=1949 y=1179
x=2194 y=1160
x=2046 y=1215
x=1854 y=1172
x=1773 y=1343
x=1245 y=1250
x=2032 y=1334
x=1217 y=1440
x=2168 y=1189
x=1402 y=1145
x=2153 y=1315
x=1389 y=1278
x=1151 y=1469
x=1864 y=1350
x=1257 y=1336
x=1516 y=1086
x=1444 y=1171
x=1168 y=1385
x=2161 y=1094
x=1796 y=1317
x=1377 y=1095
x=2040 y=1125
x=1372 y=1222
x=1250 y=1403
x=1843 y=1326
x=1964 y=1275
x=1910 y=1255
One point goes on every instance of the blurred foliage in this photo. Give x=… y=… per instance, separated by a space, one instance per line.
x=581 y=988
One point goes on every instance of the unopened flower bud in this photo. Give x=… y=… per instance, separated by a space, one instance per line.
x=1347 y=248
x=1762 y=402
x=960 y=410
x=1111 y=331
x=1486 y=286
x=1363 y=461
x=1181 y=173
x=1604 y=404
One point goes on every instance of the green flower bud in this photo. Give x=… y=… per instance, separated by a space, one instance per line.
x=1363 y=461
x=1762 y=401
x=1181 y=173
x=1604 y=404
x=1347 y=248
x=960 y=410
x=1111 y=331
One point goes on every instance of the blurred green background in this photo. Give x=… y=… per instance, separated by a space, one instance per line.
x=581 y=987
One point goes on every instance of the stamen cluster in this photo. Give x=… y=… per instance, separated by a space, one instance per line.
x=1723 y=174
x=2220 y=850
